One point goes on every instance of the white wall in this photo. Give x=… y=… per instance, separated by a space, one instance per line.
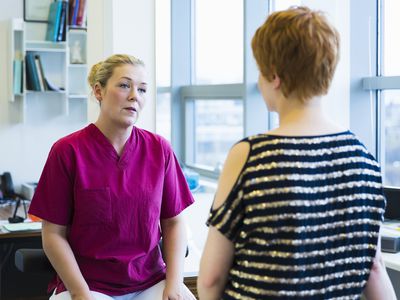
x=24 y=147
x=124 y=26
x=134 y=33
x=11 y=8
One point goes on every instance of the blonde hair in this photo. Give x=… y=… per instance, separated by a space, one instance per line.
x=102 y=71
x=301 y=47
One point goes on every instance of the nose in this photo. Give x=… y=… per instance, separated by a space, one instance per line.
x=133 y=95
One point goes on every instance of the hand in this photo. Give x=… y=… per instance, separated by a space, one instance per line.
x=177 y=292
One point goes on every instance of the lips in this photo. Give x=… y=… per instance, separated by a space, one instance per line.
x=131 y=109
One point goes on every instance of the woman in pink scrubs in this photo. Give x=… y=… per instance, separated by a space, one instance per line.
x=108 y=193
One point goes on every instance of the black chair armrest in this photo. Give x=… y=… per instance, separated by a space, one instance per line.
x=32 y=261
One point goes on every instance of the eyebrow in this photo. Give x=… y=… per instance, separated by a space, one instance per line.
x=127 y=78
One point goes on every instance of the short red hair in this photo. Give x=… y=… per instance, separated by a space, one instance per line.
x=301 y=47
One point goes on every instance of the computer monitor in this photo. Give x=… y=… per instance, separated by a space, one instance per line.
x=392 y=195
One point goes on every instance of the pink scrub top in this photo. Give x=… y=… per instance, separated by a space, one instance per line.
x=112 y=205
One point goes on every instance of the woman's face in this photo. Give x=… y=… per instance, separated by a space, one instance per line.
x=123 y=97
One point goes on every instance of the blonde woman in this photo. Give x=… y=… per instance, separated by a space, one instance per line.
x=108 y=193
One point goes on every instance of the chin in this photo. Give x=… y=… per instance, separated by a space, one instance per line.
x=128 y=123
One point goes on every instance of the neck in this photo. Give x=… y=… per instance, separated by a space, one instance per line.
x=298 y=117
x=293 y=110
x=117 y=136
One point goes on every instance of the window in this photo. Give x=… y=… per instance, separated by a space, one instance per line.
x=216 y=126
x=391 y=98
x=163 y=115
x=391 y=42
x=284 y=4
x=163 y=68
x=383 y=85
x=163 y=43
x=391 y=122
x=214 y=94
x=218 y=41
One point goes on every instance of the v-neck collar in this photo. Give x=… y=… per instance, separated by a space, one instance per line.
x=108 y=148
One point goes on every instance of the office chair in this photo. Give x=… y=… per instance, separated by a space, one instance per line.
x=392 y=195
x=33 y=261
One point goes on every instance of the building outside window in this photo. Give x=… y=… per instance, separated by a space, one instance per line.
x=206 y=77
x=391 y=97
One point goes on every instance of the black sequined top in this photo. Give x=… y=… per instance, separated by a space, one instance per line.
x=304 y=217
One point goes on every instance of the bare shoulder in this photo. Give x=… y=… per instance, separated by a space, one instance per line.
x=233 y=166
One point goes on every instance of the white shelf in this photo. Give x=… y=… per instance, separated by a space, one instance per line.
x=35 y=106
x=44 y=92
x=77 y=29
x=77 y=96
x=45 y=46
x=44 y=50
x=77 y=66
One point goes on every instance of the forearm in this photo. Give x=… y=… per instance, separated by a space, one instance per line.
x=379 y=285
x=174 y=248
x=63 y=261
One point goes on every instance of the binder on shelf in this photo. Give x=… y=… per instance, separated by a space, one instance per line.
x=32 y=78
x=39 y=68
x=80 y=19
x=63 y=19
x=53 y=22
x=17 y=87
x=74 y=12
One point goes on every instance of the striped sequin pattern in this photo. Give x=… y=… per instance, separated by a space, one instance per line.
x=304 y=217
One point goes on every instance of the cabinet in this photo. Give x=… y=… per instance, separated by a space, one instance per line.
x=63 y=67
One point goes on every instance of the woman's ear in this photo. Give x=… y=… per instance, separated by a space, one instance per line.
x=276 y=81
x=97 y=91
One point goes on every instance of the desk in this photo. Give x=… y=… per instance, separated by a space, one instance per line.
x=15 y=285
x=392 y=262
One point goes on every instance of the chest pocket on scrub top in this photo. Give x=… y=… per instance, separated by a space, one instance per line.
x=92 y=206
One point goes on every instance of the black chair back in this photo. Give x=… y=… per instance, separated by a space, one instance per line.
x=392 y=195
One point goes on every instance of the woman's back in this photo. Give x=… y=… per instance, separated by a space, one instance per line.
x=304 y=217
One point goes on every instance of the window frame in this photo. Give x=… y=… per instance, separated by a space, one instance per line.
x=375 y=84
x=366 y=83
x=189 y=94
x=182 y=77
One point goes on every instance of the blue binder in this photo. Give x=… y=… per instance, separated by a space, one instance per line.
x=54 y=21
x=32 y=76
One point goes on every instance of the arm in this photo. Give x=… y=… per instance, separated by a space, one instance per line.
x=379 y=285
x=174 y=248
x=214 y=265
x=218 y=253
x=62 y=258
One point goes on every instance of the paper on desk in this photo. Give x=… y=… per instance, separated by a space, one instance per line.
x=392 y=225
x=23 y=226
